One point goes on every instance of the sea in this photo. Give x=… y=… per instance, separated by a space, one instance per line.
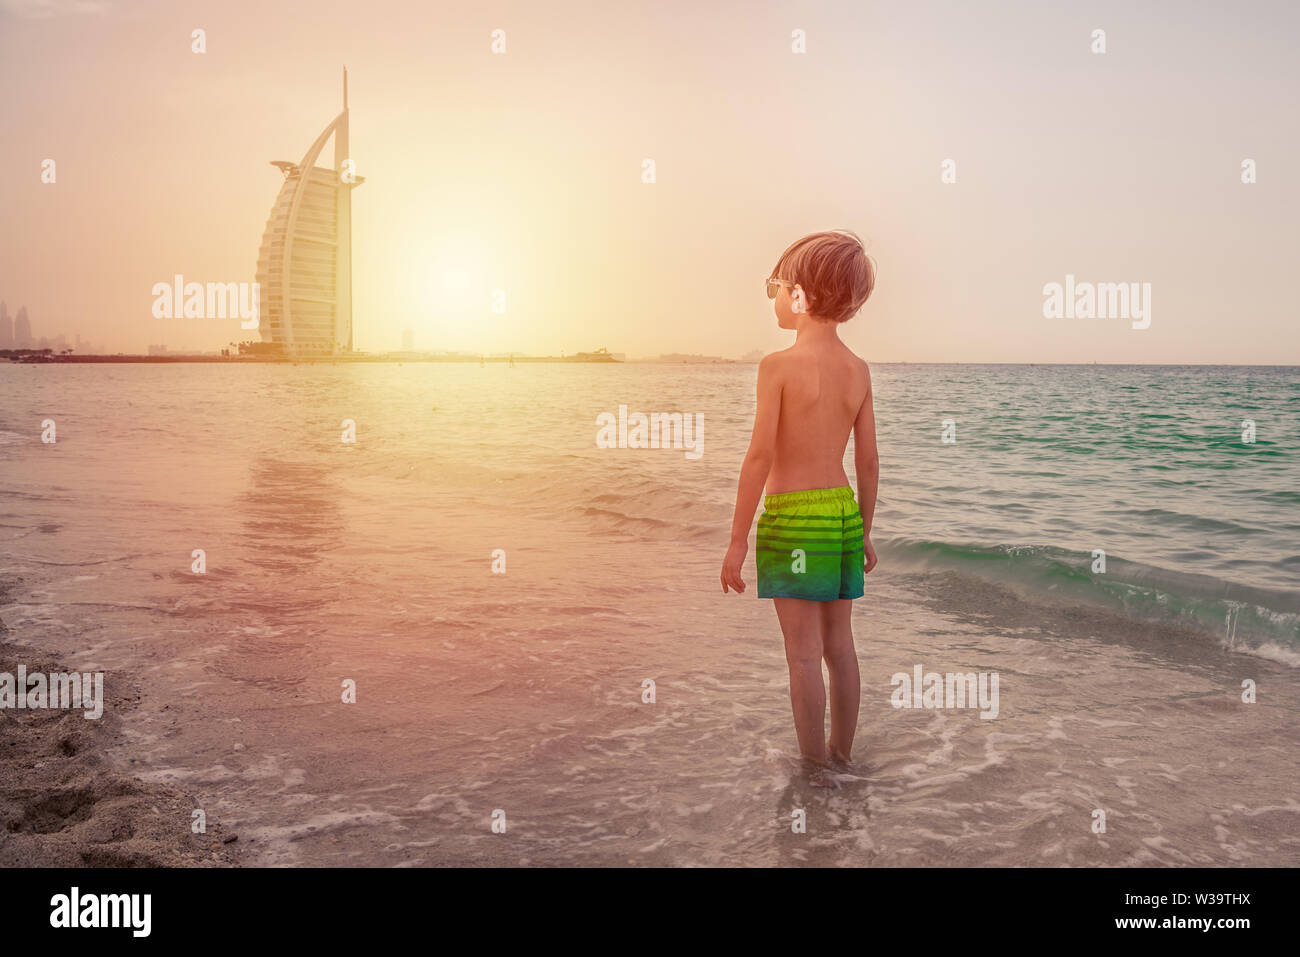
x=415 y=614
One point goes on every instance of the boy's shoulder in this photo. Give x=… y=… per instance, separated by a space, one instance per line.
x=775 y=358
x=776 y=363
x=785 y=358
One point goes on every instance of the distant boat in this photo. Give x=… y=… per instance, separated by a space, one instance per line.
x=600 y=355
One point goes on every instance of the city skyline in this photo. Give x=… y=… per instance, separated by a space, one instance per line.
x=17 y=333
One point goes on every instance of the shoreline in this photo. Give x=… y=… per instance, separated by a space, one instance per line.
x=301 y=360
x=1032 y=778
x=35 y=359
x=63 y=804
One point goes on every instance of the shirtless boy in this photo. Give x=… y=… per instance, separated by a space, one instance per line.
x=814 y=544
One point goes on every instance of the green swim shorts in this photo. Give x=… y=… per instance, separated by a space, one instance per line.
x=810 y=545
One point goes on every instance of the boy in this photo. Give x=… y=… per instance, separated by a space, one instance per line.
x=814 y=545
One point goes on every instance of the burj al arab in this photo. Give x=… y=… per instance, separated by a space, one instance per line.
x=304 y=266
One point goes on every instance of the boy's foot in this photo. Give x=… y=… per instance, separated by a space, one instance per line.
x=822 y=778
x=819 y=774
x=836 y=759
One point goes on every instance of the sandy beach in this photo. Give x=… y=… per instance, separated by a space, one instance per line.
x=63 y=803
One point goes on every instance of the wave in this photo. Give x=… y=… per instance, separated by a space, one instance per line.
x=1259 y=621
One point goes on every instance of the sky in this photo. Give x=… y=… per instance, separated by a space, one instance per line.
x=522 y=171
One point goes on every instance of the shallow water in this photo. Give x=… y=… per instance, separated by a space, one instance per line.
x=522 y=692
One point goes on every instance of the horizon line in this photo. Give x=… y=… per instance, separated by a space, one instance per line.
x=39 y=358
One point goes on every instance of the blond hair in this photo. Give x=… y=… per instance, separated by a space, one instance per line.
x=834 y=270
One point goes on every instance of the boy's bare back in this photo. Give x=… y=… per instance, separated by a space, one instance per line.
x=824 y=389
x=814 y=541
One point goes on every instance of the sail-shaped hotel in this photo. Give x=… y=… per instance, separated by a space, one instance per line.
x=304 y=268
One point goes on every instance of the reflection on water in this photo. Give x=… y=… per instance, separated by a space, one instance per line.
x=522 y=691
x=291 y=516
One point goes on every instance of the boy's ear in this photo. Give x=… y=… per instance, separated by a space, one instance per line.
x=798 y=304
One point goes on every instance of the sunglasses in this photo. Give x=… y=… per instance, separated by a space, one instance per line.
x=774 y=286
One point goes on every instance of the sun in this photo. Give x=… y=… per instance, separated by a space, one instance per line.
x=454 y=283
x=455 y=280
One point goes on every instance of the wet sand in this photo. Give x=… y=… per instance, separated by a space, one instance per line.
x=1114 y=718
x=63 y=804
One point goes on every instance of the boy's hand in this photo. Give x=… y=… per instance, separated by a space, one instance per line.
x=731 y=566
x=869 y=555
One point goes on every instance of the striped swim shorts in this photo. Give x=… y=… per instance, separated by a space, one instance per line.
x=810 y=545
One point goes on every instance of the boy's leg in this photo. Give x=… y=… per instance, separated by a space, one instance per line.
x=801 y=625
x=846 y=686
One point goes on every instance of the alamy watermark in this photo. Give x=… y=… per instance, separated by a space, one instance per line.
x=1101 y=300
x=57 y=690
x=179 y=299
x=653 y=430
x=75 y=909
x=932 y=690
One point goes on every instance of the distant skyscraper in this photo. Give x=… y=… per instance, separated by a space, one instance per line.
x=22 y=330
x=304 y=267
x=6 y=328
x=408 y=340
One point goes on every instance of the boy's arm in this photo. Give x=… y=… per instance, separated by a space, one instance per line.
x=754 y=471
x=866 y=461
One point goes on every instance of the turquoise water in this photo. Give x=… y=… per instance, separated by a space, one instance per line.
x=1147 y=464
